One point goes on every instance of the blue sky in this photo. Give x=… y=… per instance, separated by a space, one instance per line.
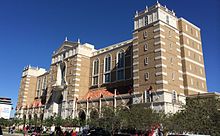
x=31 y=30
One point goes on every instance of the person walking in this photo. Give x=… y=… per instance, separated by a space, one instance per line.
x=1 y=133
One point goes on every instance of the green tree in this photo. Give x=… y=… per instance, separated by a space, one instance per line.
x=201 y=115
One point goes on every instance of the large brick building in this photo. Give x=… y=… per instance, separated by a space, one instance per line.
x=158 y=67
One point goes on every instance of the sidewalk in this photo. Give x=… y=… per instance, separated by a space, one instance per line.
x=14 y=134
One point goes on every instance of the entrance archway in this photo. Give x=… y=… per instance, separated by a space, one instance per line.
x=82 y=115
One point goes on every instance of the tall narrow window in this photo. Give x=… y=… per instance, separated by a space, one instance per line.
x=146 y=61
x=95 y=72
x=45 y=83
x=145 y=47
x=38 y=88
x=145 y=34
x=146 y=76
x=107 y=69
x=191 y=31
x=167 y=19
x=120 y=65
x=146 y=20
x=174 y=96
x=171 y=60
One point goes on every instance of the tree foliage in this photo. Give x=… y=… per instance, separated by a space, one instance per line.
x=201 y=116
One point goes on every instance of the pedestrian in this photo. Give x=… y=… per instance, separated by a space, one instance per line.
x=52 y=130
x=1 y=133
x=25 y=130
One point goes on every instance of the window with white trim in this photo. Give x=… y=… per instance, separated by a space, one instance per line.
x=146 y=20
x=199 y=58
x=167 y=19
x=145 y=34
x=146 y=61
x=107 y=69
x=95 y=72
x=190 y=67
x=174 y=96
x=197 y=34
x=171 y=60
x=146 y=76
x=191 y=31
x=169 y=34
x=170 y=46
x=120 y=65
x=38 y=88
x=191 y=81
x=201 y=71
x=145 y=47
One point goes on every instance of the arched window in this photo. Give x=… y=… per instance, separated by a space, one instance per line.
x=107 y=68
x=95 y=72
x=120 y=65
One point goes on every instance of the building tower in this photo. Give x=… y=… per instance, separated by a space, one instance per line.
x=156 y=51
x=192 y=58
x=28 y=85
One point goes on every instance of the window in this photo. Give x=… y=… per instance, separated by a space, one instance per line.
x=174 y=96
x=146 y=76
x=197 y=34
x=169 y=34
x=145 y=34
x=199 y=58
x=171 y=60
x=38 y=88
x=146 y=20
x=146 y=61
x=186 y=28
x=120 y=65
x=190 y=66
x=191 y=31
x=95 y=71
x=140 y=22
x=173 y=76
x=188 y=53
x=191 y=81
x=145 y=47
x=150 y=19
x=203 y=85
x=194 y=55
x=107 y=68
x=201 y=71
x=187 y=41
x=154 y=17
x=170 y=46
x=45 y=83
x=167 y=19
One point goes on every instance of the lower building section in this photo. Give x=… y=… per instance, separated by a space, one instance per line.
x=93 y=102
